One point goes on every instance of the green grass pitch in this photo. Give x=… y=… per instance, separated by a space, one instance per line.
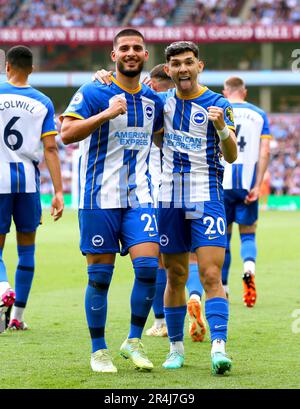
x=263 y=342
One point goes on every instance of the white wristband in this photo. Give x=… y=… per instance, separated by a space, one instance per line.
x=224 y=133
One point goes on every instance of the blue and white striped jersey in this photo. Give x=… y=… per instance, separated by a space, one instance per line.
x=251 y=125
x=192 y=171
x=113 y=163
x=26 y=115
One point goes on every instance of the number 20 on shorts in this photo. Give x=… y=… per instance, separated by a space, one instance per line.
x=214 y=226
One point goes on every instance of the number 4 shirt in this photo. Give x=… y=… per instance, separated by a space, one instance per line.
x=26 y=116
x=251 y=126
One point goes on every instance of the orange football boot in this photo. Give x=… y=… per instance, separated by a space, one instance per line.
x=197 y=326
x=249 y=296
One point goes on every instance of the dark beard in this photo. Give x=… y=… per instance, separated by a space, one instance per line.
x=130 y=73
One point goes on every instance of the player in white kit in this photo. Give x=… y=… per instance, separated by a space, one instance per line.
x=242 y=181
x=26 y=119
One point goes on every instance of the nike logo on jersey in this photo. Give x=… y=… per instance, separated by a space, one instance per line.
x=213 y=237
x=219 y=326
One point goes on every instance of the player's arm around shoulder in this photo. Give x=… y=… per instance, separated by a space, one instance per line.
x=225 y=130
x=53 y=164
x=79 y=121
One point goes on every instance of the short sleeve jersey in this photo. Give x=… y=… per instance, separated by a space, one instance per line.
x=113 y=163
x=192 y=169
x=26 y=116
x=251 y=126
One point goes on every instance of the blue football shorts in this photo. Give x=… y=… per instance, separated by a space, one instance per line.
x=182 y=230
x=24 y=208
x=236 y=210
x=102 y=230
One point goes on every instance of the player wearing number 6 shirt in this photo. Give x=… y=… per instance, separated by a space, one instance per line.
x=242 y=181
x=26 y=118
x=191 y=213
x=115 y=126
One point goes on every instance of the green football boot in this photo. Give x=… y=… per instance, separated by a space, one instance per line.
x=220 y=363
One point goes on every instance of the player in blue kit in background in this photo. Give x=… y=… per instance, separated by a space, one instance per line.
x=114 y=125
x=192 y=214
x=242 y=181
x=26 y=118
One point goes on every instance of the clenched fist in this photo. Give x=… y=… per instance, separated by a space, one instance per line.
x=216 y=115
x=118 y=107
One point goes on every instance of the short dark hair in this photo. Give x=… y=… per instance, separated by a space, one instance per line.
x=127 y=32
x=20 y=57
x=180 y=47
x=159 y=73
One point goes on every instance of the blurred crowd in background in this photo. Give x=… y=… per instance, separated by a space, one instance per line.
x=285 y=154
x=68 y=13
x=275 y=11
x=108 y=13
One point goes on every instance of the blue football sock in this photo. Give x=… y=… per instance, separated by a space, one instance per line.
x=145 y=269
x=193 y=283
x=248 y=247
x=175 y=322
x=227 y=261
x=96 y=302
x=3 y=275
x=24 y=274
x=158 y=302
x=217 y=313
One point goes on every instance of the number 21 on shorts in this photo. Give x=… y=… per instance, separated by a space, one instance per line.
x=151 y=223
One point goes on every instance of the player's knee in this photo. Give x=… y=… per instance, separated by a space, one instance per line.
x=97 y=259
x=100 y=276
x=244 y=229
x=177 y=275
x=211 y=278
x=145 y=268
